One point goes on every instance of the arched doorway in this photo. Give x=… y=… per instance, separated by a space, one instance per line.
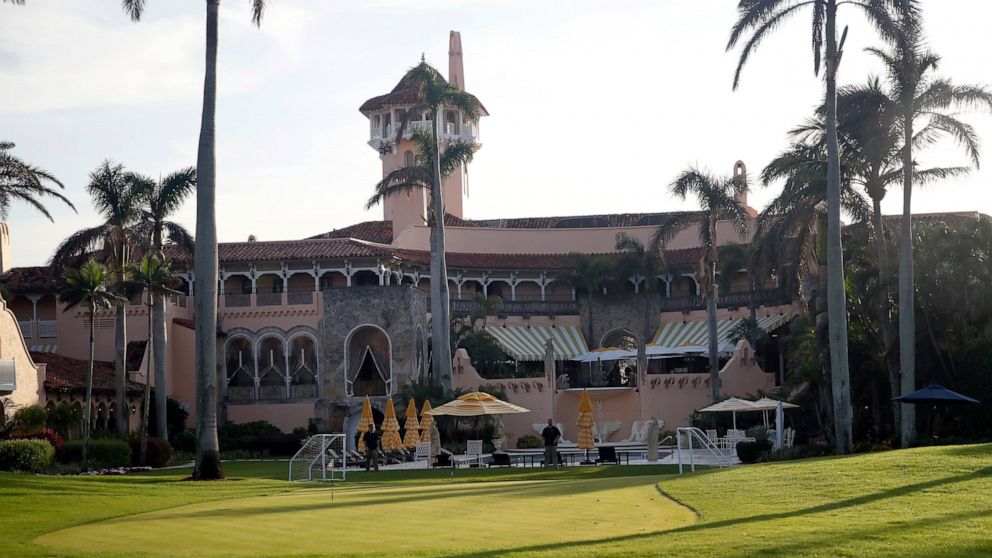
x=368 y=362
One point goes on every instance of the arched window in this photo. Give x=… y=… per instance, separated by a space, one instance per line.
x=240 y=369
x=303 y=368
x=272 y=368
x=368 y=359
x=408 y=159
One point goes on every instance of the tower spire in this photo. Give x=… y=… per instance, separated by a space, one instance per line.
x=456 y=71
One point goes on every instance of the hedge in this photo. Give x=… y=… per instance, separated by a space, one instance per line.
x=158 y=452
x=103 y=454
x=29 y=456
x=53 y=437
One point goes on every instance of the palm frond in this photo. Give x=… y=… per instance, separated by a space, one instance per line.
x=133 y=8
x=257 y=11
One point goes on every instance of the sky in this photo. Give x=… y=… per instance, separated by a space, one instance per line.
x=594 y=109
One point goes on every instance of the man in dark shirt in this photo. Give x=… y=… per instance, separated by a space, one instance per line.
x=371 y=439
x=551 y=436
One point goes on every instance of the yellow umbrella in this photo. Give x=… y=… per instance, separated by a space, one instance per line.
x=477 y=403
x=426 y=420
x=391 y=429
x=411 y=425
x=364 y=423
x=584 y=423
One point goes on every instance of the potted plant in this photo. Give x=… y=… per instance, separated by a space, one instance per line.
x=750 y=451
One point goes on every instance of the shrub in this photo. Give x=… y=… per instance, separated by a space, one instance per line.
x=63 y=418
x=158 y=453
x=528 y=441
x=185 y=441
x=30 y=419
x=259 y=438
x=53 y=437
x=103 y=454
x=750 y=452
x=759 y=433
x=29 y=456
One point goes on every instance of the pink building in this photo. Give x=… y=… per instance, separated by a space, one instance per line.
x=309 y=327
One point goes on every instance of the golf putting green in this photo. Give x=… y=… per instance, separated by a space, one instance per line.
x=399 y=520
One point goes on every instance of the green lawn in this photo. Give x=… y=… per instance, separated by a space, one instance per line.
x=923 y=502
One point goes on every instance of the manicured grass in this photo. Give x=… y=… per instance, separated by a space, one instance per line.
x=922 y=502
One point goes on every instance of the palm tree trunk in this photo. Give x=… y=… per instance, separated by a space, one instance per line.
x=884 y=311
x=589 y=300
x=120 y=363
x=907 y=311
x=440 y=303
x=158 y=352
x=89 y=393
x=205 y=266
x=840 y=378
x=143 y=450
x=714 y=345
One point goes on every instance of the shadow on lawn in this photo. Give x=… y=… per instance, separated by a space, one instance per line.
x=860 y=500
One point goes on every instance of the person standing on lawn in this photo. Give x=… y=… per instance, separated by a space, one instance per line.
x=371 y=439
x=551 y=436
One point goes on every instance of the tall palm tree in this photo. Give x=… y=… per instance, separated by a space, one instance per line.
x=718 y=199
x=588 y=274
x=758 y=18
x=162 y=199
x=205 y=264
x=434 y=95
x=152 y=277
x=870 y=132
x=22 y=181
x=919 y=96
x=116 y=194
x=88 y=286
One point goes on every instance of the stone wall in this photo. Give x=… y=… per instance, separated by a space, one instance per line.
x=400 y=312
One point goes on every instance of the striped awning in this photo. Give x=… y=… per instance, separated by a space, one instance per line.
x=44 y=348
x=674 y=335
x=527 y=343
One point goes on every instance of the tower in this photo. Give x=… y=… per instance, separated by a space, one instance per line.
x=385 y=114
x=5 y=257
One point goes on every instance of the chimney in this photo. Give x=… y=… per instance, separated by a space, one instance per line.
x=456 y=71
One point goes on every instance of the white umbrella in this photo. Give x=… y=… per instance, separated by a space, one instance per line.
x=609 y=353
x=766 y=404
x=732 y=405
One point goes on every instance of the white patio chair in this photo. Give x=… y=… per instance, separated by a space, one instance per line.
x=789 y=437
x=474 y=448
x=712 y=435
x=423 y=451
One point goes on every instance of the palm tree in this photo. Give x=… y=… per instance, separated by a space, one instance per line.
x=161 y=200
x=588 y=274
x=150 y=276
x=205 y=264
x=88 y=286
x=758 y=18
x=917 y=95
x=719 y=199
x=116 y=195
x=434 y=94
x=24 y=182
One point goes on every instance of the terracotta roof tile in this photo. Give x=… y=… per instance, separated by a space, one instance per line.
x=68 y=374
x=405 y=93
x=371 y=231
x=28 y=280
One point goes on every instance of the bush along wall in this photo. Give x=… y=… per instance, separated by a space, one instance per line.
x=103 y=454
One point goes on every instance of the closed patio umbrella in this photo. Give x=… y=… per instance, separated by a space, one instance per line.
x=411 y=425
x=426 y=420
x=584 y=423
x=364 y=423
x=390 y=429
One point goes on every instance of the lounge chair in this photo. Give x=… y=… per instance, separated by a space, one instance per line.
x=607 y=454
x=423 y=452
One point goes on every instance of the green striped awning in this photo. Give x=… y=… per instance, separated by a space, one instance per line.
x=527 y=343
x=695 y=333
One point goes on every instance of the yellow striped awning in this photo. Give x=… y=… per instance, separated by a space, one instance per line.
x=527 y=342
x=695 y=333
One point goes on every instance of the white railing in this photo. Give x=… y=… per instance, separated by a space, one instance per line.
x=8 y=375
x=464 y=132
x=690 y=436
x=26 y=329
x=48 y=328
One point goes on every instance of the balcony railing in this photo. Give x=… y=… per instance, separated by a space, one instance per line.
x=237 y=299
x=268 y=299
x=26 y=331
x=454 y=131
x=48 y=329
x=300 y=297
x=519 y=307
x=767 y=297
x=8 y=375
